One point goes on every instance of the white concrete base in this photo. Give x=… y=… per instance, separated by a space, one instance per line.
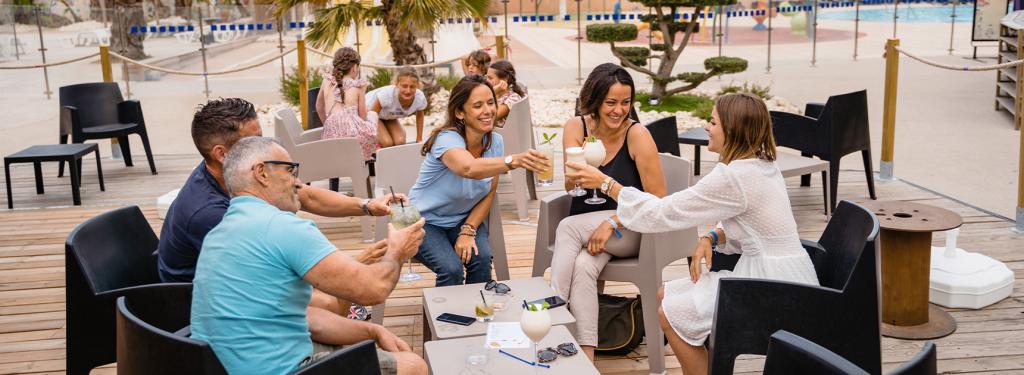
x=164 y=203
x=960 y=279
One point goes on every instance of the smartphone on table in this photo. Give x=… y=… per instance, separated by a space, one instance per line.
x=455 y=319
x=553 y=301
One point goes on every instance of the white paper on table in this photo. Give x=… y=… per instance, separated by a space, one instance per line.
x=506 y=335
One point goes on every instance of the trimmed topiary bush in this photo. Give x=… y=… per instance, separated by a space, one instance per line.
x=611 y=32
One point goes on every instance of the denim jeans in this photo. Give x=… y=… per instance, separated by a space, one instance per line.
x=438 y=253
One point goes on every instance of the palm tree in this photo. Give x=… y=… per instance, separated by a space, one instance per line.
x=401 y=18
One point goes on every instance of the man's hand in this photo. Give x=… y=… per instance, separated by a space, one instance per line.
x=406 y=241
x=381 y=206
x=373 y=253
x=388 y=341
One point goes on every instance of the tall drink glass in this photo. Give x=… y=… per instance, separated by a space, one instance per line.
x=403 y=215
x=575 y=154
x=595 y=153
x=547 y=176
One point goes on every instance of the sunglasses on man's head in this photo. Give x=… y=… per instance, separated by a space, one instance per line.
x=498 y=288
x=550 y=354
x=291 y=167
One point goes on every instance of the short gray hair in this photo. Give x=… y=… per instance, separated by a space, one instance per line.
x=244 y=154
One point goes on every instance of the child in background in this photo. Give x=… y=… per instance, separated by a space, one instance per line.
x=393 y=102
x=346 y=117
x=502 y=77
x=476 y=62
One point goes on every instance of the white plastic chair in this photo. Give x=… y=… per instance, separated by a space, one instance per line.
x=518 y=137
x=398 y=167
x=657 y=250
x=324 y=159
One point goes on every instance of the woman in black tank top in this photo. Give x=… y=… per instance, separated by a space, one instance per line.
x=592 y=235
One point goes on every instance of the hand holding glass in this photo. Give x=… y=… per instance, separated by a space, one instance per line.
x=403 y=215
x=594 y=154
x=575 y=154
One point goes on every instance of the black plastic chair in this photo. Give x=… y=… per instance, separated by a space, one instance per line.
x=314 y=118
x=664 y=133
x=842 y=314
x=98 y=111
x=107 y=256
x=792 y=354
x=151 y=340
x=840 y=128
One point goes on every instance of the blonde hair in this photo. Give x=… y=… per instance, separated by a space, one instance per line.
x=406 y=71
x=747 y=127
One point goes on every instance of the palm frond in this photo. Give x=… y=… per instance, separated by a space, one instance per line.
x=331 y=22
x=282 y=6
x=424 y=14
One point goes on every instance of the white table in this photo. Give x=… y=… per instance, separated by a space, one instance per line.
x=796 y=165
x=462 y=300
x=449 y=357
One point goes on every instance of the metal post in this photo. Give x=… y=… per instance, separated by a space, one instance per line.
x=505 y=11
x=768 y=69
x=718 y=23
x=42 y=50
x=856 y=27
x=432 y=43
x=300 y=50
x=579 y=43
x=103 y=12
x=814 y=34
x=14 y=25
x=895 y=16
x=108 y=75
x=125 y=74
x=202 y=52
x=952 y=25
x=358 y=43
x=650 y=40
x=280 y=42
x=892 y=63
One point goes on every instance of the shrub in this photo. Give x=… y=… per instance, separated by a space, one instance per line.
x=379 y=78
x=674 y=103
x=726 y=65
x=448 y=81
x=290 y=84
x=611 y=32
x=703 y=110
x=635 y=55
x=763 y=92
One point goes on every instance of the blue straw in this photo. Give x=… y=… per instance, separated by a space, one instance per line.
x=531 y=363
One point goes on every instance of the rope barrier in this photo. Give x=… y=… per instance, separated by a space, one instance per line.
x=419 y=66
x=979 y=68
x=184 y=73
x=49 y=64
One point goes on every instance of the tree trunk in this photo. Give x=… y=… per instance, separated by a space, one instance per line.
x=122 y=41
x=404 y=48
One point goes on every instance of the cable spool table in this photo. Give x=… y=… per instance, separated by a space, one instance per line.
x=906 y=239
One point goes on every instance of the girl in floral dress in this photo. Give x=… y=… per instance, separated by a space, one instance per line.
x=343 y=107
x=502 y=77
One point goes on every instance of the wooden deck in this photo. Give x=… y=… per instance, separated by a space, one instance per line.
x=32 y=313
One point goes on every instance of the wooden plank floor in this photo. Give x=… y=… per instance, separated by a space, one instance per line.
x=32 y=313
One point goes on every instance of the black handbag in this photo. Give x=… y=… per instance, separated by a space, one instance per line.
x=620 y=324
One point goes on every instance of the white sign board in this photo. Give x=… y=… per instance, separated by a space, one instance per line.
x=987 y=14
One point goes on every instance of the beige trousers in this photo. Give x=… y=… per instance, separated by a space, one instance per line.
x=574 y=271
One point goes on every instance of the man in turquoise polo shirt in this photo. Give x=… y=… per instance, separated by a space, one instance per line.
x=257 y=269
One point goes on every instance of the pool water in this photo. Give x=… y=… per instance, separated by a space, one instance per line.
x=912 y=13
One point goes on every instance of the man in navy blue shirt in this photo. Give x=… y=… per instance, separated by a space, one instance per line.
x=202 y=201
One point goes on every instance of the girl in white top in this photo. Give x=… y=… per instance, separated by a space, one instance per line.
x=746 y=194
x=393 y=102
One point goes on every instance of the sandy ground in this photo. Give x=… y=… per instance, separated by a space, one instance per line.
x=949 y=139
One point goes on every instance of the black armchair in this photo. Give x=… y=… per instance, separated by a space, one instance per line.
x=840 y=128
x=98 y=111
x=150 y=339
x=106 y=257
x=314 y=118
x=749 y=311
x=665 y=135
x=792 y=354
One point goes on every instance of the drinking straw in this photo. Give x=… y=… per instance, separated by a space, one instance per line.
x=531 y=363
x=393 y=197
x=482 y=297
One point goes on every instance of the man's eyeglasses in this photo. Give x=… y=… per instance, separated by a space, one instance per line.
x=498 y=288
x=291 y=167
x=550 y=354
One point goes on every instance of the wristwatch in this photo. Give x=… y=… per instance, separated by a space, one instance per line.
x=508 y=162
x=606 y=185
x=365 y=205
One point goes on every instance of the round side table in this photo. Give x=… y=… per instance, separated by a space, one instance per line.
x=906 y=240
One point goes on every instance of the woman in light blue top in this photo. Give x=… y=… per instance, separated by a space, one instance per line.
x=457 y=183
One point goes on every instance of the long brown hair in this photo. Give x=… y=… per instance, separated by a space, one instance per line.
x=458 y=99
x=344 y=59
x=505 y=71
x=596 y=87
x=747 y=127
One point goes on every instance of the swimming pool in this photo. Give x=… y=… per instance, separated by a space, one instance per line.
x=915 y=13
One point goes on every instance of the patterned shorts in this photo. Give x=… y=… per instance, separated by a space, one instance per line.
x=388 y=364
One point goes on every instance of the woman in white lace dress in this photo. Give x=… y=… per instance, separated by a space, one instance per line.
x=746 y=194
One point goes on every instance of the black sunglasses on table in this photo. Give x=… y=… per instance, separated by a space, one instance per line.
x=498 y=288
x=550 y=354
